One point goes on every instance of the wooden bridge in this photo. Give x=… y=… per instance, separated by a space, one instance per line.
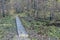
x=22 y=34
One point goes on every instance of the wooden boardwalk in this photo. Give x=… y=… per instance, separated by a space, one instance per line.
x=22 y=34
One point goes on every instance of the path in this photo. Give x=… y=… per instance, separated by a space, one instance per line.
x=22 y=34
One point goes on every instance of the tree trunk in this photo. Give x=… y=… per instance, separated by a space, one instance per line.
x=3 y=13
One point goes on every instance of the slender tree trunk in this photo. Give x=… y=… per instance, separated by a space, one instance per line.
x=3 y=13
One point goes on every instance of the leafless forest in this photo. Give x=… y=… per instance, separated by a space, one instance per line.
x=39 y=17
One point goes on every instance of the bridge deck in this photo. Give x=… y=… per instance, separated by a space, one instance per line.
x=22 y=34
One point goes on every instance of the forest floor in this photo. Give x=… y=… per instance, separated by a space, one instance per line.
x=7 y=28
x=34 y=28
x=37 y=29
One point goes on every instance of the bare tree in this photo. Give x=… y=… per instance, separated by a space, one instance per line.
x=3 y=1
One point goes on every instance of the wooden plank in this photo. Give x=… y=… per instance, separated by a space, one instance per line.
x=23 y=35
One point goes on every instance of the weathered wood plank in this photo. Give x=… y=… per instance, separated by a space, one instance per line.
x=23 y=35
